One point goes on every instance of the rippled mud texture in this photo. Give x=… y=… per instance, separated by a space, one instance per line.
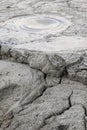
x=44 y=25
x=32 y=27
x=39 y=91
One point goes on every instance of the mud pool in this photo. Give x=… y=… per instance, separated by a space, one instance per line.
x=45 y=26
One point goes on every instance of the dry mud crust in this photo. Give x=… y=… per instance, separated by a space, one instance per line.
x=36 y=92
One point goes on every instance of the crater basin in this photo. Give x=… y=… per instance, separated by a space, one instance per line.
x=37 y=24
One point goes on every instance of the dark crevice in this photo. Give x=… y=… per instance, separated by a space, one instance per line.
x=8 y=7
x=60 y=80
x=62 y=127
x=45 y=76
x=63 y=74
x=70 y=104
x=84 y=110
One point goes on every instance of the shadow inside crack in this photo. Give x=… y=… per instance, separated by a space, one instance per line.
x=62 y=127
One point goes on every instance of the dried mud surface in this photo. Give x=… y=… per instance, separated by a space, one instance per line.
x=41 y=89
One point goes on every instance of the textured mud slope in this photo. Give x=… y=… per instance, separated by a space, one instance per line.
x=40 y=91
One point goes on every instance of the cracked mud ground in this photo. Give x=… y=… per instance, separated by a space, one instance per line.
x=38 y=90
x=41 y=91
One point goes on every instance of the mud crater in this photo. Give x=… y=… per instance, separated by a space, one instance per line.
x=37 y=24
